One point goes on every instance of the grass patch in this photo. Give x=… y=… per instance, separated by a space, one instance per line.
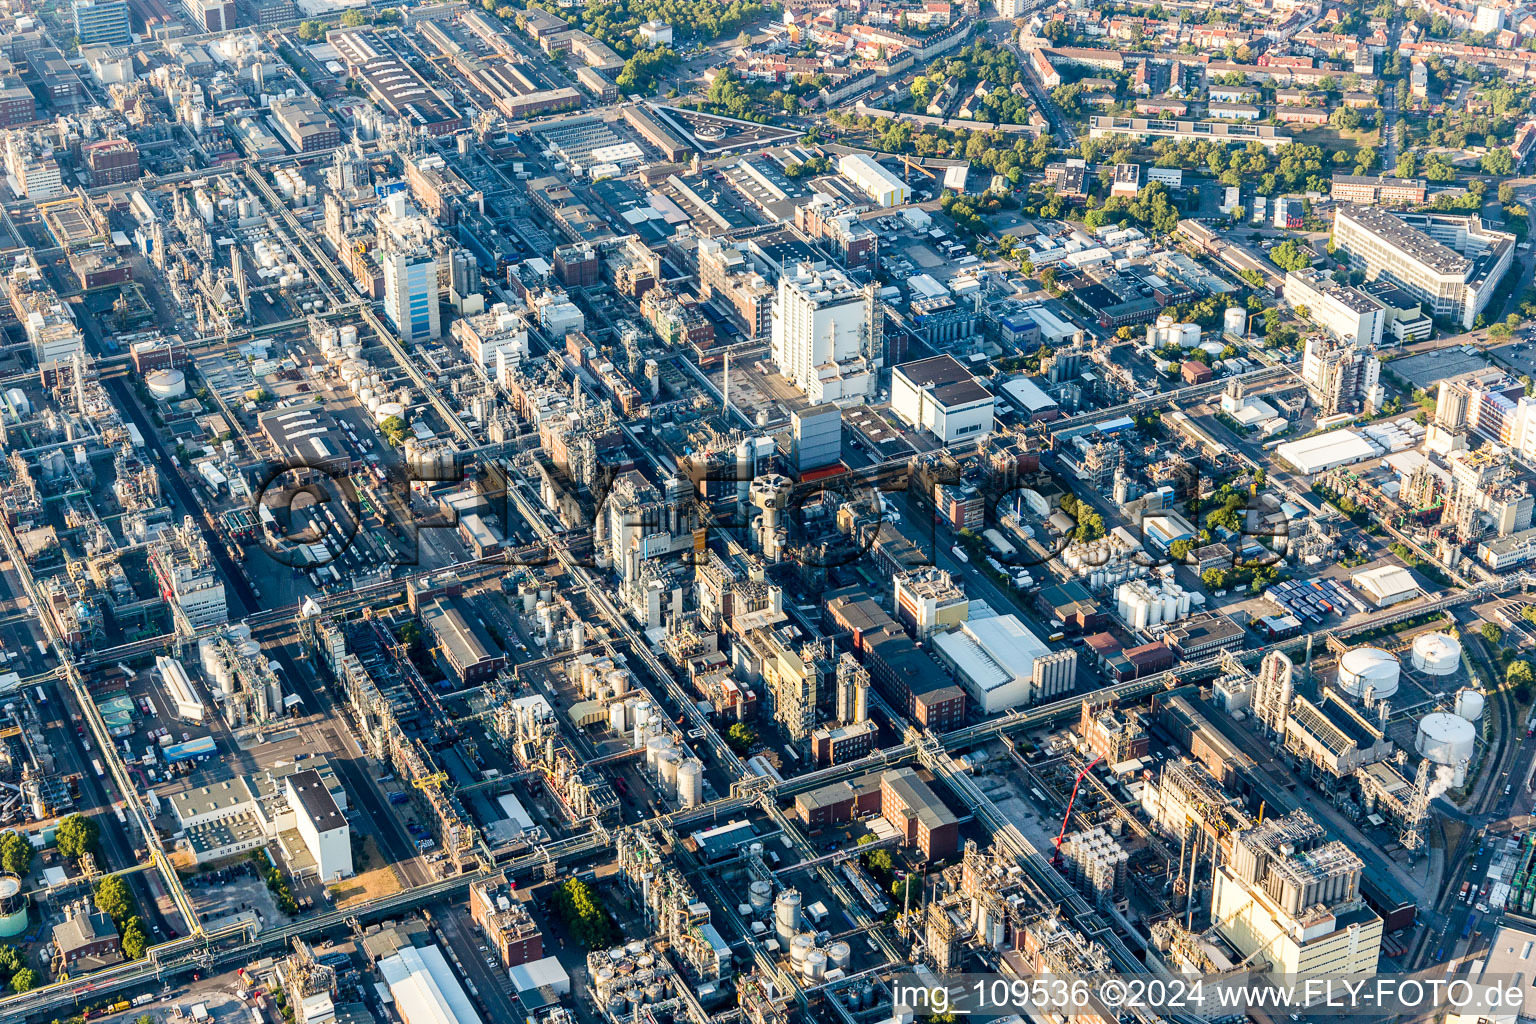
x=375 y=878
x=1331 y=138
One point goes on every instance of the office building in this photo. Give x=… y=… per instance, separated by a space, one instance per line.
x=102 y=22
x=1291 y=895
x=918 y=814
x=110 y=161
x=189 y=581
x=505 y=922
x=411 y=293
x=303 y=125
x=825 y=335
x=1452 y=263
x=1357 y=188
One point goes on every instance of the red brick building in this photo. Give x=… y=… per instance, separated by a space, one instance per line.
x=505 y=922
x=916 y=811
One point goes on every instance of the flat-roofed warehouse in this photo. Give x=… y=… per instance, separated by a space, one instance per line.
x=307 y=437
x=393 y=84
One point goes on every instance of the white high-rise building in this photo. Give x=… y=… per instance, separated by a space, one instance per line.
x=1450 y=262
x=1347 y=314
x=826 y=335
x=411 y=293
x=321 y=824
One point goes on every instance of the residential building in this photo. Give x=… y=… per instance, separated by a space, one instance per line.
x=1452 y=263
x=86 y=940
x=825 y=332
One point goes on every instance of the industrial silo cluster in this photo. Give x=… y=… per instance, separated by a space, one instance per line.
x=678 y=774
x=1107 y=561
x=1142 y=603
x=626 y=978
x=1096 y=864
x=812 y=955
x=344 y=354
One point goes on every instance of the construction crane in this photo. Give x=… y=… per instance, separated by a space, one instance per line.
x=1067 y=817
x=909 y=163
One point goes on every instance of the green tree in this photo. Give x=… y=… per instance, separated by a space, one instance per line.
x=1288 y=255
x=135 y=938
x=11 y=961
x=1214 y=578
x=393 y=429
x=1519 y=673
x=1498 y=161
x=24 y=980
x=76 y=835
x=579 y=908
x=1491 y=632
x=879 y=861
x=349 y=19
x=740 y=737
x=311 y=31
x=1179 y=550
x=15 y=854
x=114 y=899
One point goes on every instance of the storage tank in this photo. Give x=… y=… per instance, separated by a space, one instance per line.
x=1446 y=739
x=616 y=716
x=670 y=760
x=1170 y=607
x=839 y=955
x=1234 y=320
x=166 y=384
x=1469 y=703
x=800 y=947
x=815 y=967
x=654 y=749
x=618 y=678
x=388 y=409
x=1436 y=654
x=349 y=336
x=760 y=895
x=1369 y=668
x=690 y=783
x=13 y=907
x=350 y=371
x=786 y=915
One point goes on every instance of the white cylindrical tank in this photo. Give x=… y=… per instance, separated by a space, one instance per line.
x=786 y=915
x=1170 y=607
x=815 y=967
x=1469 y=703
x=839 y=955
x=388 y=409
x=617 y=716
x=690 y=783
x=1369 y=668
x=1446 y=739
x=349 y=335
x=760 y=895
x=13 y=907
x=801 y=947
x=654 y=749
x=669 y=763
x=350 y=371
x=166 y=384
x=579 y=636
x=1234 y=320
x=618 y=678
x=1436 y=654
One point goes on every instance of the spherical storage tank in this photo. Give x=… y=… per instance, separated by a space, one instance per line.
x=1369 y=668
x=1469 y=704
x=1446 y=739
x=13 y=907
x=165 y=384
x=1436 y=654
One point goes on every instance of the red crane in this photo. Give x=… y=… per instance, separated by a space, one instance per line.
x=1072 y=800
